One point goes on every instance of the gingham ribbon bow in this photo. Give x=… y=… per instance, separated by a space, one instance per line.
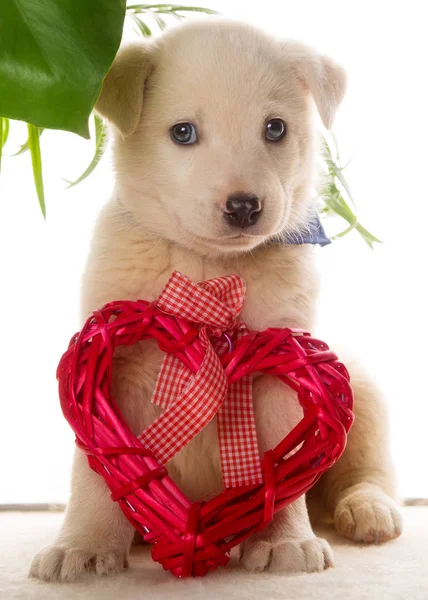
x=191 y=401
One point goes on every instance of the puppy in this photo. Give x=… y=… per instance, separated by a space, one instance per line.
x=215 y=156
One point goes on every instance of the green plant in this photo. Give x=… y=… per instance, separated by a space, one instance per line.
x=53 y=59
x=336 y=189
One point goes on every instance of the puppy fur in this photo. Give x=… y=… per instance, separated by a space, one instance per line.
x=167 y=213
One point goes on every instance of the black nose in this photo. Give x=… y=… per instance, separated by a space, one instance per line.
x=242 y=210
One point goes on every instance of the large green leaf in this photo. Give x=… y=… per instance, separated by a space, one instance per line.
x=54 y=55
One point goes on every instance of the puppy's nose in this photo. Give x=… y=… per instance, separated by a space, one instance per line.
x=242 y=210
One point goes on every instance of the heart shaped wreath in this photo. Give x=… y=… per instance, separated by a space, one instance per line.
x=206 y=371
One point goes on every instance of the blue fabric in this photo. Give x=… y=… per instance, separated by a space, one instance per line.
x=313 y=234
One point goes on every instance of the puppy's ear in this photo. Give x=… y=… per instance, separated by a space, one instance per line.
x=325 y=79
x=121 y=97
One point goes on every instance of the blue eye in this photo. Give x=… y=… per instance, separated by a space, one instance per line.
x=184 y=133
x=275 y=130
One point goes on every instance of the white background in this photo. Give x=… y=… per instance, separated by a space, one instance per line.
x=373 y=301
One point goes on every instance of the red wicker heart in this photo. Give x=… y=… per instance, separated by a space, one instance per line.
x=194 y=538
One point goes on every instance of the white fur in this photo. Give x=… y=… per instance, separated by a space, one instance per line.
x=166 y=213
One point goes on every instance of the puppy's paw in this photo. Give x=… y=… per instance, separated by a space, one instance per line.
x=58 y=563
x=367 y=514
x=290 y=556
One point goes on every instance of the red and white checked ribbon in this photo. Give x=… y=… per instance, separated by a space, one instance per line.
x=191 y=401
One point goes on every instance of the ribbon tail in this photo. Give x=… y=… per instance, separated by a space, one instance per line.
x=172 y=381
x=190 y=413
x=239 y=450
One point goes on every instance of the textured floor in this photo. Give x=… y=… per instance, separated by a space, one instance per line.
x=396 y=570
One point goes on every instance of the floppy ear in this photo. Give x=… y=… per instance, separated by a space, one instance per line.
x=325 y=79
x=121 y=97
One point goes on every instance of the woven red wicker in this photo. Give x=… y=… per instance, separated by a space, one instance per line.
x=194 y=538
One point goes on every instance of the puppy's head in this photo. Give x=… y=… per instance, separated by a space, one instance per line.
x=214 y=132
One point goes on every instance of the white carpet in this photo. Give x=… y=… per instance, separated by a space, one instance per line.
x=398 y=570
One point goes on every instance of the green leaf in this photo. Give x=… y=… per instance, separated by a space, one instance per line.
x=170 y=8
x=25 y=146
x=159 y=21
x=335 y=169
x=1 y=139
x=53 y=58
x=141 y=26
x=36 y=159
x=368 y=237
x=4 y=132
x=201 y=9
x=337 y=172
x=334 y=202
x=100 y=137
x=177 y=16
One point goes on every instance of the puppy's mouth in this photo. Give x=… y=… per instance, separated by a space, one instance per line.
x=234 y=242
x=240 y=236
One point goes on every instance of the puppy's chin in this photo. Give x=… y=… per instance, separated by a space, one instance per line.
x=236 y=245
x=221 y=245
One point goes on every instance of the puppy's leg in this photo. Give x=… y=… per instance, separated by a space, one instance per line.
x=95 y=535
x=359 y=490
x=288 y=544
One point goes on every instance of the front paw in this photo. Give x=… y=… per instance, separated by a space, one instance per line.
x=59 y=563
x=289 y=556
x=367 y=514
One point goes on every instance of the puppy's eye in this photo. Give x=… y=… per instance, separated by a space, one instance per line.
x=275 y=130
x=184 y=133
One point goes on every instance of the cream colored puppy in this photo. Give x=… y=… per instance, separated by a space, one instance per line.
x=215 y=155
